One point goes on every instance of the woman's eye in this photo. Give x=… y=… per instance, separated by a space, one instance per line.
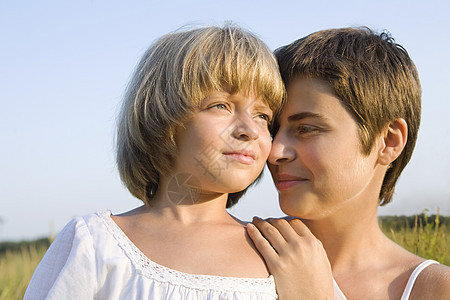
x=304 y=129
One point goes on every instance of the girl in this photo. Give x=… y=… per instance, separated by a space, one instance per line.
x=192 y=136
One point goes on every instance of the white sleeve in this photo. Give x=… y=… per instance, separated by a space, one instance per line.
x=68 y=269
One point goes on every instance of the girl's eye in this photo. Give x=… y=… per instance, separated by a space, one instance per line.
x=264 y=117
x=220 y=106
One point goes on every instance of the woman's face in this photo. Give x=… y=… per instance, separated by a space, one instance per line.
x=225 y=144
x=316 y=160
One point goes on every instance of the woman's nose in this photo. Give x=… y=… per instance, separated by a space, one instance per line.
x=282 y=150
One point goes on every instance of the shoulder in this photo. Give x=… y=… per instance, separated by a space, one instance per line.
x=69 y=264
x=81 y=232
x=432 y=283
x=85 y=225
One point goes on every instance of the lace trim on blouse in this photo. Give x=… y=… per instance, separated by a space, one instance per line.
x=164 y=274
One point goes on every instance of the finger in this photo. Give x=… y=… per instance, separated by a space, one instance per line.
x=271 y=234
x=268 y=253
x=284 y=228
x=300 y=228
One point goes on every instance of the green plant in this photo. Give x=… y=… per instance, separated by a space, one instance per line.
x=427 y=237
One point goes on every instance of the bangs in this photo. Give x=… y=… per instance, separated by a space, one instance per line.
x=231 y=61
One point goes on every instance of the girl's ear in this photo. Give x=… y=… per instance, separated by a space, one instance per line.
x=393 y=140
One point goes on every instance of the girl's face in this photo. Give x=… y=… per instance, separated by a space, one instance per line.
x=316 y=159
x=225 y=144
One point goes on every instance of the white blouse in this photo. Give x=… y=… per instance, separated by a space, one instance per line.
x=93 y=259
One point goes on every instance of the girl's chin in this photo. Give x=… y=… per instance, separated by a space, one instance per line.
x=232 y=183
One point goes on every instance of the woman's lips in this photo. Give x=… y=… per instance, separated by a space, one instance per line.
x=285 y=181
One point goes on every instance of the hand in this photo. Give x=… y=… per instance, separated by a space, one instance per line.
x=295 y=257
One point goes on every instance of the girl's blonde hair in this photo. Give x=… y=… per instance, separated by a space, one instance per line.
x=173 y=76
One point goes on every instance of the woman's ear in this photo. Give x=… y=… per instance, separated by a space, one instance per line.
x=394 y=139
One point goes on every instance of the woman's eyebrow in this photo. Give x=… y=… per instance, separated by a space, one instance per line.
x=304 y=115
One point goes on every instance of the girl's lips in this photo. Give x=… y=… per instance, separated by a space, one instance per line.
x=242 y=158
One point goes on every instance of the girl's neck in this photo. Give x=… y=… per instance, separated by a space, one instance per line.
x=184 y=206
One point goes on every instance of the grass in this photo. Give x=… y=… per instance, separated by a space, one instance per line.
x=17 y=267
x=426 y=236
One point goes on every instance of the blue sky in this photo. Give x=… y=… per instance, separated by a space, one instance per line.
x=64 y=66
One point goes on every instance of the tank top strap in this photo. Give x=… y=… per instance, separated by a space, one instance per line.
x=413 y=277
x=338 y=294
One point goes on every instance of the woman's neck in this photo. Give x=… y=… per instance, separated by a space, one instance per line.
x=349 y=236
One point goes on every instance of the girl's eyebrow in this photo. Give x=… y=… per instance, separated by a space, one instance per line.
x=218 y=95
x=215 y=96
x=304 y=115
x=262 y=105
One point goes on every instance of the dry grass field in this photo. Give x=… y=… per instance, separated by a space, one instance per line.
x=16 y=269
x=426 y=237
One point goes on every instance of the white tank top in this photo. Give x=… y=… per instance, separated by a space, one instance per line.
x=409 y=286
x=413 y=277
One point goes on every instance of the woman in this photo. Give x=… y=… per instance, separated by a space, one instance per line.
x=342 y=140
